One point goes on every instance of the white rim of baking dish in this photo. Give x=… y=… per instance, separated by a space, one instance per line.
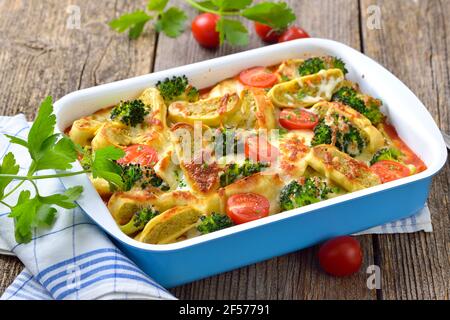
x=427 y=124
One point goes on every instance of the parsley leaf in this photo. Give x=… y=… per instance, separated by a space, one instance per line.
x=24 y=213
x=134 y=21
x=274 y=14
x=104 y=166
x=8 y=166
x=157 y=5
x=171 y=22
x=65 y=200
x=232 y=31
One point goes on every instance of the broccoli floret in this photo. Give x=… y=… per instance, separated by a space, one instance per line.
x=386 y=154
x=350 y=97
x=338 y=64
x=296 y=194
x=130 y=113
x=139 y=220
x=214 y=222
x=314 y=65
x=311 y=66
x=322 y=134
x=350 y=142
x=234 y=172
x=225 y=142
x=86 y=158
x=177 y=88
x=133 y=173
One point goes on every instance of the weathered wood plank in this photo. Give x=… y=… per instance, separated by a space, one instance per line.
x=294 y=276
x=414 y=46
x=40 y=56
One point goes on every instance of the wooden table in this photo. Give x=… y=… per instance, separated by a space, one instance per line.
x=40 y=56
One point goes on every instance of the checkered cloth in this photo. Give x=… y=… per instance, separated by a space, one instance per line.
x=73 y=259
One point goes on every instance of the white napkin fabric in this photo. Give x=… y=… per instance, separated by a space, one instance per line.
x=73 y=259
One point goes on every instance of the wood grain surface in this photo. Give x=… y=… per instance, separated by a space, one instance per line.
x=40 y=56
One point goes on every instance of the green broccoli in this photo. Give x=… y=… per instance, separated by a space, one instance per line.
x=228 y=140
x=133 y=173
x=350 y=142
x=139 y=220
x=322 y=134
x=234 y=172
x=314 y=65
x=386 y=154
x=311 y=66
x=214 y=222
x=130 y=113
x=296 y=194
x=86 y=157
x=351 y=98
x=177 y=88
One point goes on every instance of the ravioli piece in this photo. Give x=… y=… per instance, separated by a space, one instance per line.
x=293 y=150
x=157 y=115
x=211 y=111
x=84 y=130
x=111 y=134
x=339 y=167
x=166 y=169
x=288 y=70
x=267 y=185
x=229 y=86
x=373 y=137
x=169 y=225
x=306 y=91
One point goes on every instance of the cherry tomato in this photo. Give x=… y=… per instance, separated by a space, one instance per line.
x=293 y=33
x=245 y=207
x=266 y=33
x=139 y=154
x=259 y=149
x=204 y=30
x=340 y=256
x=258 y=77
x=298 y=119
x=389 y=170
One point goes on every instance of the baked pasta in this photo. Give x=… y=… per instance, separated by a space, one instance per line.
x=269 y=140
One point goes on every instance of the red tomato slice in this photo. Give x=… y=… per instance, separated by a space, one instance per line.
x=298 y=119
x=258 y=77
x=259 y=149
x=389 y=170
x=139 y=154
x=340 y=256
x=245 y=207
x=409 y=156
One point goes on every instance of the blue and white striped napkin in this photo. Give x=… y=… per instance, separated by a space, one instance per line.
x=72 y=260
x=75 y=260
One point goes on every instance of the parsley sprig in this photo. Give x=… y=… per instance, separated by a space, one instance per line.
x=49 y=151
x=277 y=15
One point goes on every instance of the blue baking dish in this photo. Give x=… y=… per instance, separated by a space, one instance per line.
x=196 y=258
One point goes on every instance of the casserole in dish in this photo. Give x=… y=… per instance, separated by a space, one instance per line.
x=177 y=263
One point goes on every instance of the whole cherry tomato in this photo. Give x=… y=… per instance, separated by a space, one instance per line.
x=340 y=256
x=266 y=33
x=204 y=30
x=293 y=33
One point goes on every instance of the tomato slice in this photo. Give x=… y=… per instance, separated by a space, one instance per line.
x=298 y=119
x=245 y=207
x=139 y=154
x=409 y=156
x=258 y=77
x=389 y=170
x=259 y=149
